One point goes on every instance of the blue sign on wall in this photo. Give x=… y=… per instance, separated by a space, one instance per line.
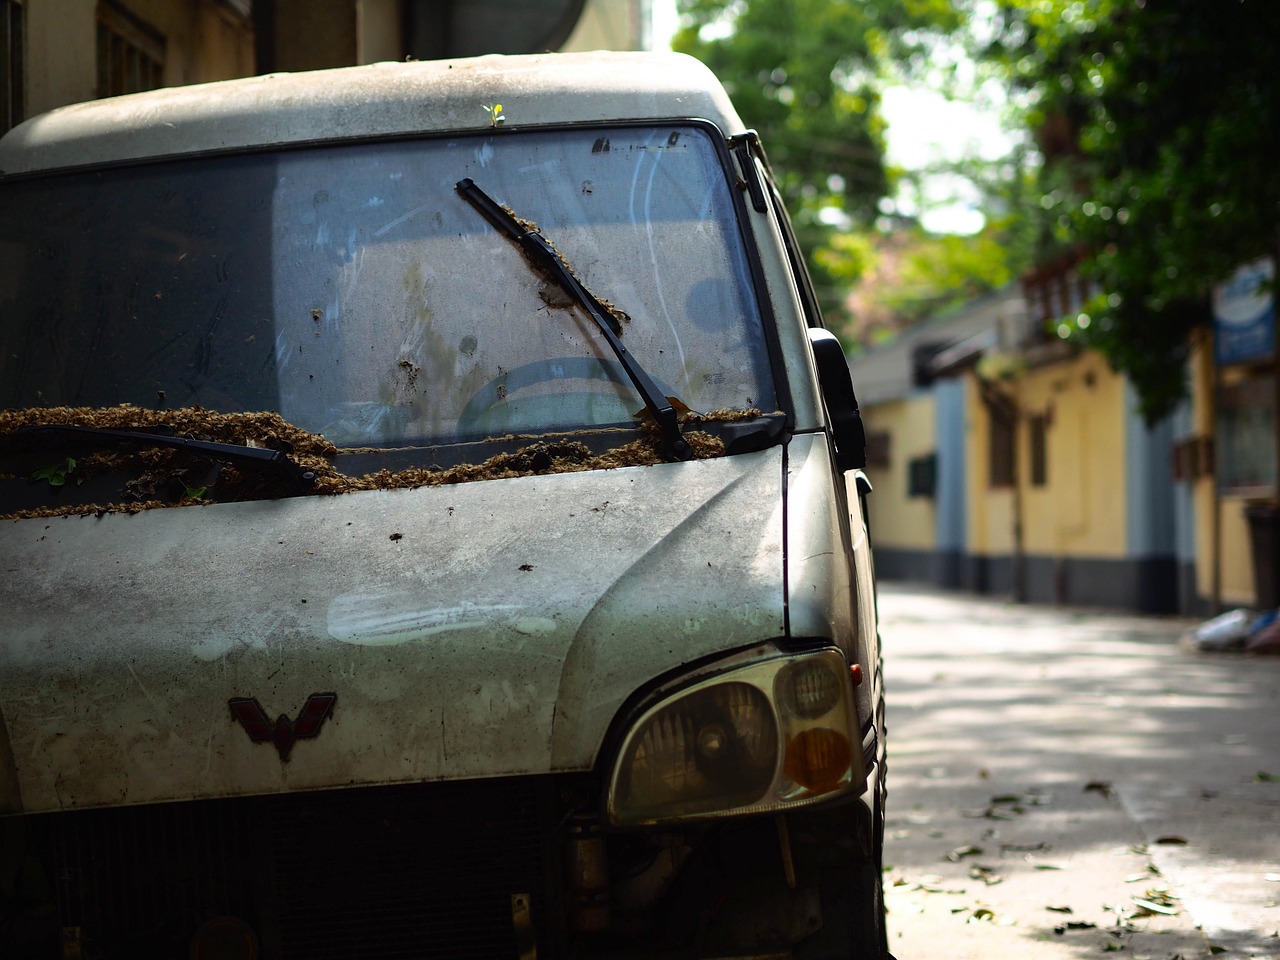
x=1244 y=314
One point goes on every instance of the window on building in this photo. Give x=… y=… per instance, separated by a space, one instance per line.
x=1246 y=432
x=12 y=67
x=1039 y=444
x=878 y=448
x=130 y=52
x=1193 y=458
x=922 y=476
x=1001 y=448
x=1055 y=290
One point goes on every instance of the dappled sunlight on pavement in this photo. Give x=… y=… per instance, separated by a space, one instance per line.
x=1065 y=783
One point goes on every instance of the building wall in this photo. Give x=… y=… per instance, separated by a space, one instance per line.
x=1237 y=587
x=1224 y=572
x=951 y=413
x=1190 y=600
x=61 y=56
x=612 y=25
x=903 y=526
x=314 y=35
x=1081 y=510
x=378 y=31
x=989 y=509
x=209 y=40
x=1101 y=529
x=205 y=40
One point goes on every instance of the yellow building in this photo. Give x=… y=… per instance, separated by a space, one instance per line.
x=1226 y=455
x=57 y=52
x=1004 y=462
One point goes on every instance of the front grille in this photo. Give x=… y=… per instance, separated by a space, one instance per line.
x=420 y=870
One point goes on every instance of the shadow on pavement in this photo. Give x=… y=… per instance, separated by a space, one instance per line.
x=1069 y=782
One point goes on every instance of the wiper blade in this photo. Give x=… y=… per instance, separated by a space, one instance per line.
x=272 y=460
x=543 y=256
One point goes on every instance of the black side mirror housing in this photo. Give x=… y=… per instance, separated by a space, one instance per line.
x=847 y=431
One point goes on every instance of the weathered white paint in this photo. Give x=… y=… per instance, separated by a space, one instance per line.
x=507 y=623
x=124 y=637
x=381 y=99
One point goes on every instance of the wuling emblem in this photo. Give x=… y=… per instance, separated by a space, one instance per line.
x=284 y=733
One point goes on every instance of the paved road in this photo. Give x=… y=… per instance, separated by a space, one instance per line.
x=1068 y=783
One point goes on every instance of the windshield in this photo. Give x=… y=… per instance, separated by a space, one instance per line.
x=353 y=291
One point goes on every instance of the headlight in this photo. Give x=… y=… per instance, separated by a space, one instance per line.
x=769 y=736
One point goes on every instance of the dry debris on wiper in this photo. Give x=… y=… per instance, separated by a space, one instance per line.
x=155 y=468
x=264 y=429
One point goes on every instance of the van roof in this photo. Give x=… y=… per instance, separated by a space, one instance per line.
x=382 y=99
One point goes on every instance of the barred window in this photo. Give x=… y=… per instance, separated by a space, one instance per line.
x=1039 y=430
x=130 y=52
x=922 y=476
x=1002 y=445
x=878 y=443
x=12 y=48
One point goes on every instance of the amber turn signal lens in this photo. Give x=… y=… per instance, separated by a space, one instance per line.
x=818 y=759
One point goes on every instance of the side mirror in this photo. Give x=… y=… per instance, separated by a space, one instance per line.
x=847 y=432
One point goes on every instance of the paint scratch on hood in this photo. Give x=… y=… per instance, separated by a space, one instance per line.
x=391 y=619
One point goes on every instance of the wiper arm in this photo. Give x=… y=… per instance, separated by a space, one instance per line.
x=543 y=256
x=273 y=460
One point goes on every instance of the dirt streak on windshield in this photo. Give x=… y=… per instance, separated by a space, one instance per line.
x=154 y=468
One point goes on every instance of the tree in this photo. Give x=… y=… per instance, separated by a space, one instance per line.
x=1160 y=125
x=804 y=73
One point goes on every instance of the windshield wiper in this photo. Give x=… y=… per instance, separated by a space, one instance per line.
x=544 y=257
x=272 y=460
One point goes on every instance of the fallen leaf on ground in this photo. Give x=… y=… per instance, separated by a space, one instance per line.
x=1100 y=786
x=1150 y=906
x=1074 y=925
x=1023 y=847
x=987 y=875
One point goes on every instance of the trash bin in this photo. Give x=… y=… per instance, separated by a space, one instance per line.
x=1264 y=539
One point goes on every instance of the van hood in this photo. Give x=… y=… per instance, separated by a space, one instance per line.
x=485 y=629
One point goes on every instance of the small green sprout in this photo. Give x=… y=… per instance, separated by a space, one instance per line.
x=494 y=110
x=56 y=474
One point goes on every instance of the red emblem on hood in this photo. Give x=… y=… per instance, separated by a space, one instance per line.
x=284 y=732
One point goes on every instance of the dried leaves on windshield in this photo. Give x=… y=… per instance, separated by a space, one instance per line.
x=156 y=470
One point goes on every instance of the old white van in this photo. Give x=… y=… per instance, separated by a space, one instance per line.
x=432 y=526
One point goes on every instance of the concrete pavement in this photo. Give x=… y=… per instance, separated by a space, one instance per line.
x=1065 y=783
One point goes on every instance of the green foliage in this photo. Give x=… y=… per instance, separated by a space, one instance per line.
x=1160 y=121
x=805 y=74
x=944 y=271
x=56 y=474
x=845 y=257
